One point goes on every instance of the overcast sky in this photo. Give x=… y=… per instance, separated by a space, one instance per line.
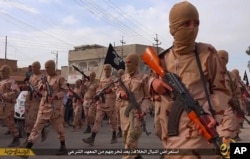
x=36 y=29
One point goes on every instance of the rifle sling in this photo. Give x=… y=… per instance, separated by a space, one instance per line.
x=204 y=82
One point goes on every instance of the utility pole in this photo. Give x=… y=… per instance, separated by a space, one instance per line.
x=56 y=53
x=157 y=44
x=123 y=42
x=5 y=56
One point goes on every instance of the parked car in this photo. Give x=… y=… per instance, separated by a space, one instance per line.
x=19 y=110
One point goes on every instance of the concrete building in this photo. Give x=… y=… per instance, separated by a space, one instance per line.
x=90 y=58
x=11 y=63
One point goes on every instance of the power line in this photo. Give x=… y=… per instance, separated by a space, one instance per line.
x=35 y=28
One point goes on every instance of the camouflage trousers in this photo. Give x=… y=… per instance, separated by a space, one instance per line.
x=49 y=113
x=99 y=117
x=77 y=107
x=132 y=131
x=7 y=115
x=90 y=113
x=31 y=110
x=157 y=124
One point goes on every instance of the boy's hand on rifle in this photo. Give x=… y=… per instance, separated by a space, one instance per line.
x=140 y=115
x=50 y=99
x=107 y=91
x=84 y=80
x=211 y=124
x=160 y=87
x=123 y=95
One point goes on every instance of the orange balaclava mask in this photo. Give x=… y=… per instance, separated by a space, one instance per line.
x=36 y=67
x=107 y=70
x=78 y=83
x=236 y=73
x=184 y=37
x=131 y=63
x=50 y=67
x=223 y=57
x=5 y=71
x=120 y=72
x=92 y=76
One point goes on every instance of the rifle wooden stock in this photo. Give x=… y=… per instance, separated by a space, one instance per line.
x=194 y=111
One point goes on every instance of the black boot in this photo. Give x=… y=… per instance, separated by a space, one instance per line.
x=29 y=145
x=44 y=134
x=241 y=125
x=119 y=134
x=114 y=138
x=15 y=142
x=26 y=140
x=90 y=140
x=87 y=130
x=138 y=157
x=62 y=150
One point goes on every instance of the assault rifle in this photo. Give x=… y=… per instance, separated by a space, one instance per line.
x=101 y=93
x=48 y=87
x=78 y=70
x=185 y=101
x=244 y=88
x=235 y=104
x=77 y=97
x=32 y=90
x=133 y=104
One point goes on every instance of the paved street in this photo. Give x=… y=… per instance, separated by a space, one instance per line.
x=74 y=141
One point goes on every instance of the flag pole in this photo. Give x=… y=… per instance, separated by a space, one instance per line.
x=101 y=73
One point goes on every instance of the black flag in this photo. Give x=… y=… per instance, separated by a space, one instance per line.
x=245 y=78
x=114 y=59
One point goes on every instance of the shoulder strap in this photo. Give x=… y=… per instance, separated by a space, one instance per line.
x=162 y=55
x=203 y=81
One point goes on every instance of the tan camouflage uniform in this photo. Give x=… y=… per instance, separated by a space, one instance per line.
x=107 y=108
x=51 y=108
x=77 y=106
x=32 y=101
x=118 y=102
x=137 y=83
x=180 y=59
x=89 y=88
x=241 y=97
x=8 y=93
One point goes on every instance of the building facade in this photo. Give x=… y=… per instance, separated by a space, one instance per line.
x=90 y=58
x=11 y=63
